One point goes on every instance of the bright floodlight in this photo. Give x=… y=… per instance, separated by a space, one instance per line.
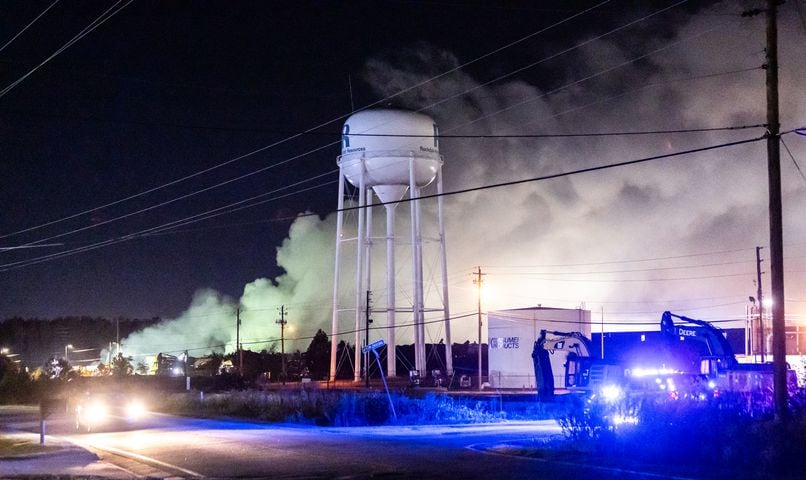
x=611 y=393
x=647 y=372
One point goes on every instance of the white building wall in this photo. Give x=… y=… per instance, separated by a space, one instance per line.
x=512 y=334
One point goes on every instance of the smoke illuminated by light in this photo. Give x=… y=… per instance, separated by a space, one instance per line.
x=545 y=243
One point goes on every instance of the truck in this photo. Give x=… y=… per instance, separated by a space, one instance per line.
x=692 y=358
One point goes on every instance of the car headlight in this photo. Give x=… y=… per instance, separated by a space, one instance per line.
x=93 y=412
x=135 y=410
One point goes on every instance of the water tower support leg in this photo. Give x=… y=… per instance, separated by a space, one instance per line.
x=359 y=262
x=391 y=353
x=445 y=300
x=334 y=328
x=415 y=307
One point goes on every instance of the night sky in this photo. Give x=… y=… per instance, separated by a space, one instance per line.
x=166 y=89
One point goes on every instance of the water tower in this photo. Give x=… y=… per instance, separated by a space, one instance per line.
x=388 y=153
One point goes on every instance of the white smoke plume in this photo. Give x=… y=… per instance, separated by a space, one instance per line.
x=565 y=242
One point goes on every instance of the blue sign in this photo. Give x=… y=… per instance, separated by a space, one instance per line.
x=373 y=346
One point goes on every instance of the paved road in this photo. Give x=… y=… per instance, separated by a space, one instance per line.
x=175 y=446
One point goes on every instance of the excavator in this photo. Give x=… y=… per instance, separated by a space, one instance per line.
x=691 y=358
x=582 y=373
x=712 y=356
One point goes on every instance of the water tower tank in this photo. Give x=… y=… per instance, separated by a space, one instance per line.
x=385 y=141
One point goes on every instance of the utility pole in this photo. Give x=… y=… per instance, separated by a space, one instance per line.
x=187 y=372
x=760 y=305
x=478 y=282
x=776 y=217
x=238 y=340
x=117 y=333
x=366 y=339
x=602 y=350
x=282 y=322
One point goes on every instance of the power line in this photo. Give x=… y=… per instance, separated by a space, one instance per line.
x=582 y=44
x=265 y=168
x=182 y=197
x=440 y=136
x=568 y=135
x=793 y=159
x=610 y=272
x=226 y=210
x=565 y=174
x=653 y=259
x=14 y=265
x=648 y=86
x=710 y=75
x=27 y=26
x=333 y=143
x=141 y=233
x=631 y=280
x=274 y=144
x=547 y=177
x=440 y=320
x=100 y=20
x=581 y=80
x=298 y=338
x=611 y=262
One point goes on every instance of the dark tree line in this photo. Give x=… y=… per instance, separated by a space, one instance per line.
x=36 y=340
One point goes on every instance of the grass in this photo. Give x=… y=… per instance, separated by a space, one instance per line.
x=720 y=438
x=350 y=408
x=10 y=448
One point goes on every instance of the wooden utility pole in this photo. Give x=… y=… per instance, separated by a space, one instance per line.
x=602 y=339
x=478 y=282
x=760 y=308
x=238 y=340
x=776 y=221
x=282 y=322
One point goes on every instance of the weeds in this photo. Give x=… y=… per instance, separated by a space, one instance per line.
x=726 y=437
x=336 y=408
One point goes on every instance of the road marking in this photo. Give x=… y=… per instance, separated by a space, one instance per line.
x=145 y=459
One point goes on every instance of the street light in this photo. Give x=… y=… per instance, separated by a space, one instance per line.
x=66 y=349
x=4 y=351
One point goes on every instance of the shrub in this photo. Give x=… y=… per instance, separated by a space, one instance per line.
x=332 y=407
x=731 y=437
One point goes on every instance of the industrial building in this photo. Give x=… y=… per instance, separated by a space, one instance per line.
x=512 y=334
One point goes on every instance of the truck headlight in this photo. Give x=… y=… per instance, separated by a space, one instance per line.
x=611 y=393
